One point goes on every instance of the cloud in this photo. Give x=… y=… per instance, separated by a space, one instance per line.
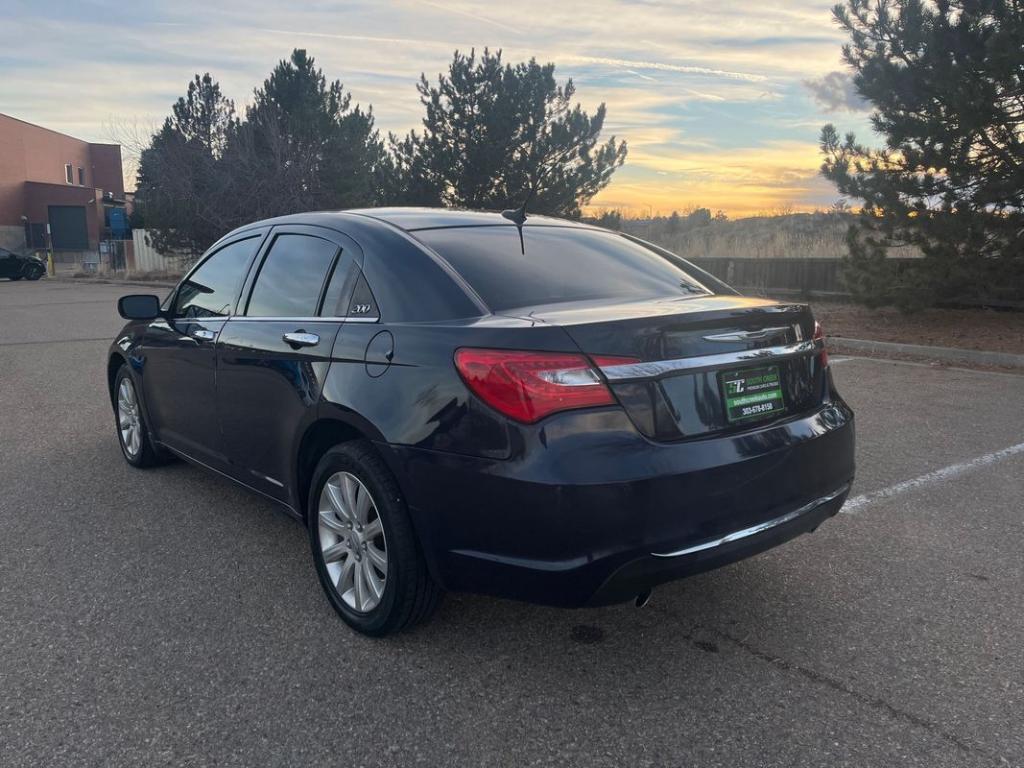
x=474 y=17
x=660 y=66
x=771 y=163
x=410 y=41
x=642 y=77
x=836 y=92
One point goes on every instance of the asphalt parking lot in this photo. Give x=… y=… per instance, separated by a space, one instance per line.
x=170 y=618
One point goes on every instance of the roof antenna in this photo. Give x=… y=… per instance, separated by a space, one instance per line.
x=518 y=217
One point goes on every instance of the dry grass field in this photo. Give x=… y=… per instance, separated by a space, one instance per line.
x=819 y=235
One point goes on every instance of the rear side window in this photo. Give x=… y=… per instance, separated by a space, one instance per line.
x=560 y=264
x=292 y=277
x=210 y=291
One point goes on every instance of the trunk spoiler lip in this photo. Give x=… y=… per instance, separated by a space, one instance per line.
x=687 y=309
x=657 y=368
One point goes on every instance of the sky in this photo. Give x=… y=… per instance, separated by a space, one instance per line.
x=720 y=103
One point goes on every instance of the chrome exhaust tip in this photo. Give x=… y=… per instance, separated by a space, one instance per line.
x=642 y=599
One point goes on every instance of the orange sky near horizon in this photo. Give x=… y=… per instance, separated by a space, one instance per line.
x=750 y=182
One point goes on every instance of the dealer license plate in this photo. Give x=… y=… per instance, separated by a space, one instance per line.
x=752 y=393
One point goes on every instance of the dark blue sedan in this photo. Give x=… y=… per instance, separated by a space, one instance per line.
x=540 y=410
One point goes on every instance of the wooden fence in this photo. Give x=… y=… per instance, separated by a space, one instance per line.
x=780 y=276
x=823 y=278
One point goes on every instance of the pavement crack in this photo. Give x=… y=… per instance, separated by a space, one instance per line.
x=875 y=702
x=55 y=304
x=51 y=341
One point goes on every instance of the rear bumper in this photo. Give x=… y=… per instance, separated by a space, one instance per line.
x=647 y=571
x=588 y=512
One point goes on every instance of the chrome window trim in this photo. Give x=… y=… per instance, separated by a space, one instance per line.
x=360 y=319
x=655 y=368
x=760 y=527
x=310 y=319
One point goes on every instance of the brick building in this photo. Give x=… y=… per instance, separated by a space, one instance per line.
x=47 y=178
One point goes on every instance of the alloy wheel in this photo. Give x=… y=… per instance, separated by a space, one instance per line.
x=352 y=542
x=128 y=419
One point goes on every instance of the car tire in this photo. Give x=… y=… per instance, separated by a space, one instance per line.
x=130 y=424
x=34 y=274
x=352 y=489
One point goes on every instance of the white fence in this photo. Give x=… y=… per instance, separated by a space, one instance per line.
x=149 y=259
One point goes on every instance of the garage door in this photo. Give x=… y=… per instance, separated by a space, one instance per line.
x=68 y=230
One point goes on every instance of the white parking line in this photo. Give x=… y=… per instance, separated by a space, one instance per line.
x=912 y=364
x=856 y=504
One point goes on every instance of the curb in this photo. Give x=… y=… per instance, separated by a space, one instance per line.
x=943 y=354
x=110 y=281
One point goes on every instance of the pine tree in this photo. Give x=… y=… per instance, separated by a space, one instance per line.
x=304 y=146
x=301 y=146
x=946 y=80
x=495 y=135
x=181 y=188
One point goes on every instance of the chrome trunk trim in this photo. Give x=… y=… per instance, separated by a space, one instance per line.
x=760 y=527
x=655 y=368
x=749 y=335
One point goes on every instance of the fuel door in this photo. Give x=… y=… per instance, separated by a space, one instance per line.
x=379 y=354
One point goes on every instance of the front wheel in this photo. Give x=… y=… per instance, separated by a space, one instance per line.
x=132 y=434
x=34 y=274
x=366 y=554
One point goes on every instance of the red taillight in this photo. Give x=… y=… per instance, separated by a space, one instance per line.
x=819 y=335
x=527 y=386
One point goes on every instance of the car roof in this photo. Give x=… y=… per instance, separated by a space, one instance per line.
x=414 y=219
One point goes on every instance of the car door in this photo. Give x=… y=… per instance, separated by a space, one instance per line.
x=274 y=354
x=10 y=265
x=180 y=359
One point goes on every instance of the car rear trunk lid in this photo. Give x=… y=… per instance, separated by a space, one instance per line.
x=684 y=351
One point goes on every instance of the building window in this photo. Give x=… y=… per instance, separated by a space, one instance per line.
x=81 y=177
x=69 y=173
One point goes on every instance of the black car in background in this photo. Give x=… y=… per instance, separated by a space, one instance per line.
x=550 y=412
x=16 y=266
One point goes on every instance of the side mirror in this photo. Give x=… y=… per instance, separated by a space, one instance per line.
x=139 y=306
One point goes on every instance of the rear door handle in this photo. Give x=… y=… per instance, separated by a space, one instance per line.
x=203 y=335
x=301 y=339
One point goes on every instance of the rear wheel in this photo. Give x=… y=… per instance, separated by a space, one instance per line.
x=132 y=433
x=366 y=554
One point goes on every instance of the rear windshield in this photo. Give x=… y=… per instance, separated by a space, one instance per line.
x=560 y=264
